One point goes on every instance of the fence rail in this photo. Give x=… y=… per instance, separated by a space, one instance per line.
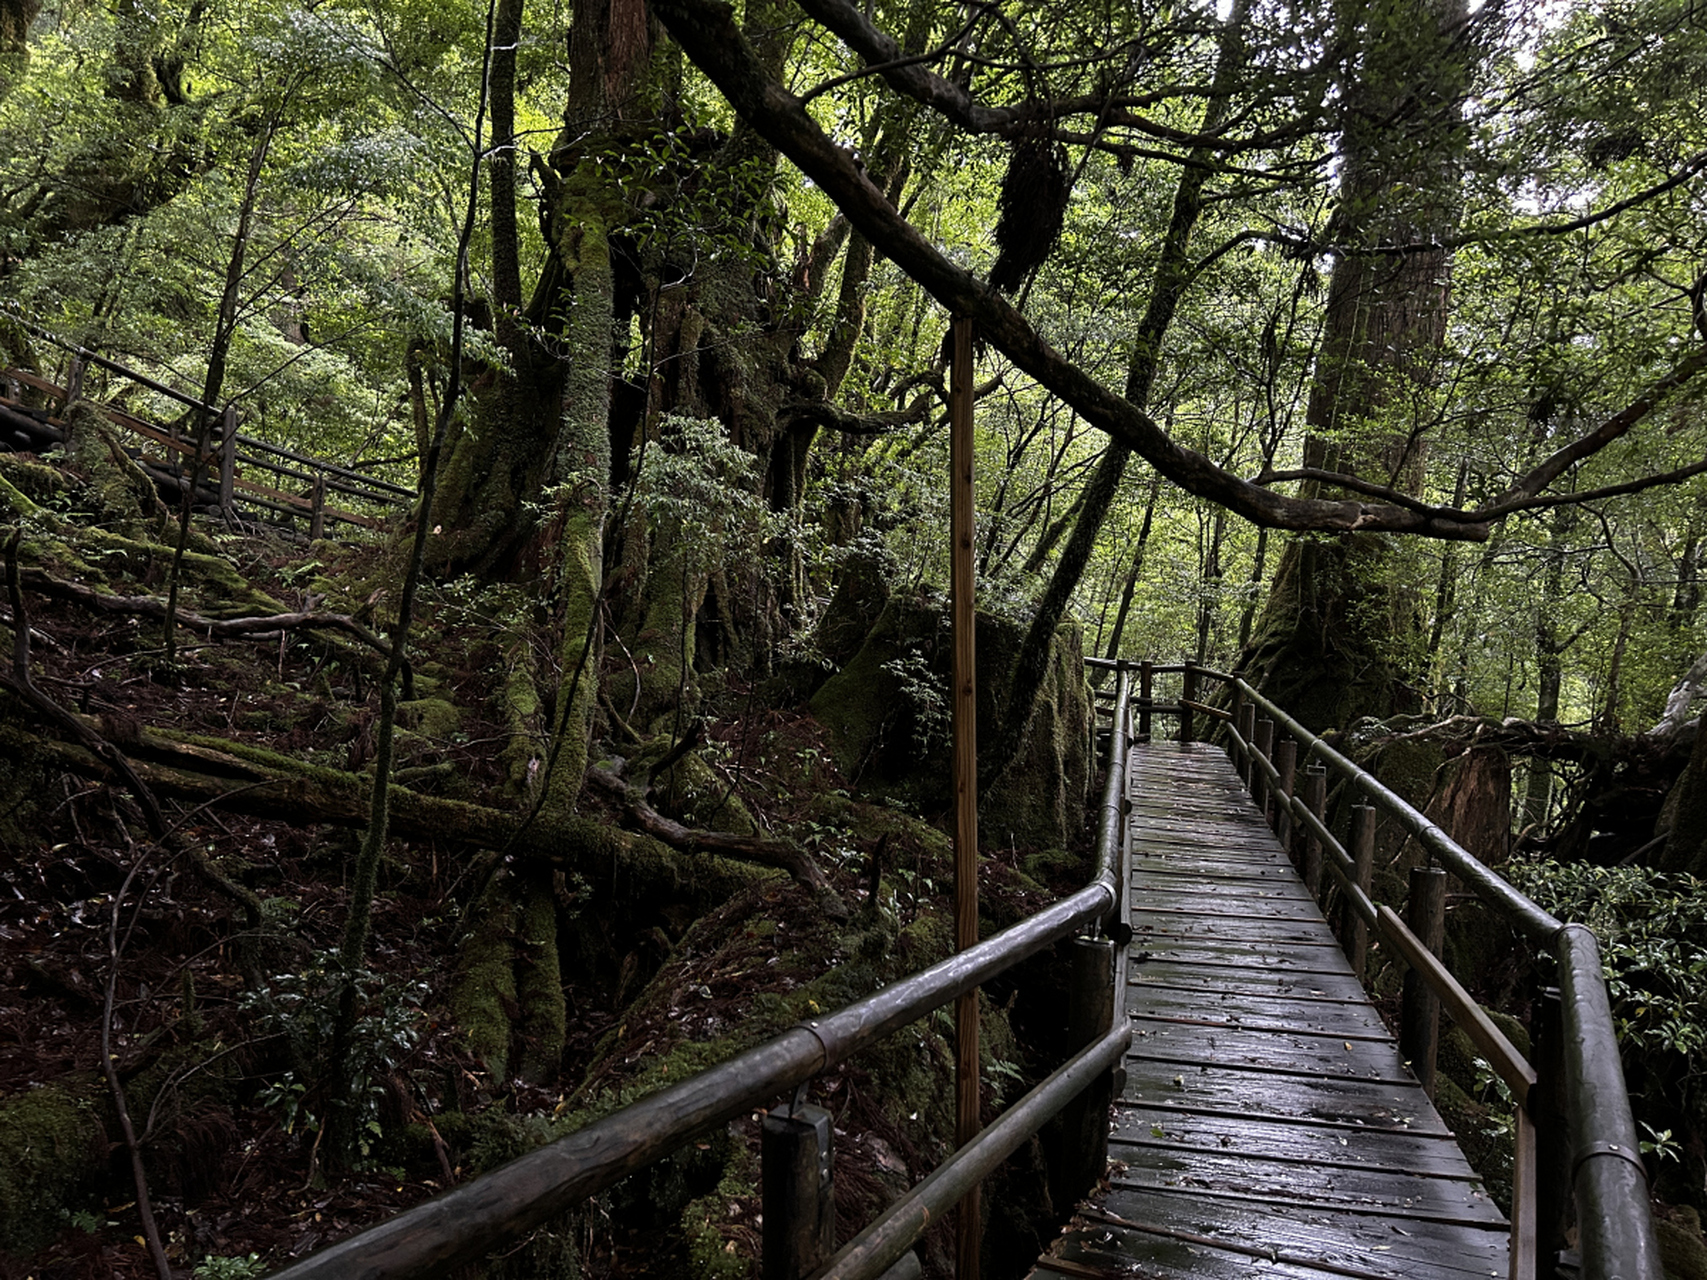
x=460 y=1225
x=1576 y=1140
x=231 y=459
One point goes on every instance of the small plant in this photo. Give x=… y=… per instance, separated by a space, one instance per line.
x=216 y=1268
x=922 y=690
x=1661 y=1145
x=303 y=1008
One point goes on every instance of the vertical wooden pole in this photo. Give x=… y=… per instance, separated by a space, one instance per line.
x=317 y=514
x=795 y=1161
x=1285 y=760
x=961 y=507
x=1082 y=1129
x=1146 y=696
x=73 y=393
x=1354 y=933
x=1264 y=743
x=1523 y=1239
x=227 y=461
x=1316 y=800
x=73 y=384
x=1188 y=695
x=1419 y=1009
x=1248 y=731
x=1553 y=1197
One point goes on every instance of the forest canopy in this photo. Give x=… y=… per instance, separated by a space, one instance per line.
x=1357 y=348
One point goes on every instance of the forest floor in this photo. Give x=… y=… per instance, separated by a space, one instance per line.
x=92 y=913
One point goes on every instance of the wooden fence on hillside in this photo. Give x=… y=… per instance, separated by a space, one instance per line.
x=236 y=467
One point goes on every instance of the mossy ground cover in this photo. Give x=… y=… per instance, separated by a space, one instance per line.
x=625 y=964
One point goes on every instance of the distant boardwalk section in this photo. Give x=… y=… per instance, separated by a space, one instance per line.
x=1268 y=1126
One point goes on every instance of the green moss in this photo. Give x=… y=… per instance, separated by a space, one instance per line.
x=118 y=488
x=539 y=984
x=483 y=990
x=713 y=1255
x=15 y=502
x=858 y=705
x=524 y=749
x=53 y=1153
x=1041 y=799
x=699 y=797
x=433 y=718
x=1683 y=1251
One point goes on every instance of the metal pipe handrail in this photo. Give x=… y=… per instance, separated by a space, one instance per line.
x=1533 y=922
x=458 y=1226
x=899 y=1227
x=1616 y=1235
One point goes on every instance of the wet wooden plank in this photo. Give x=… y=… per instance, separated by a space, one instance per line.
x=1294 y=1095
x=1394 y=1194
x=1292 y=1142
x=1154 y=1237
x=1268 y=1125
x=1271 y=1047
x=1332 y=1018
x=1236 y=980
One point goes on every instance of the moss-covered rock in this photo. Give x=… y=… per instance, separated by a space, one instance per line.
x=887 y=715
x=1683 y=1250
x=53 y=1156
x=1040 y=801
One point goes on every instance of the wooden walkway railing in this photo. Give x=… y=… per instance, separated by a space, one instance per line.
x=1577 y=1160
x=1268 y=1123
x=461 y=1225
x=1245 y=998
x=238 y=468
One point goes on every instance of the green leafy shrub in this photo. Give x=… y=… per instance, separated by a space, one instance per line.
x=1652 y=929
x=302 y=1008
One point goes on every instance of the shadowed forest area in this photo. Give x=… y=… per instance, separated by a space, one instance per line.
x=354 y=843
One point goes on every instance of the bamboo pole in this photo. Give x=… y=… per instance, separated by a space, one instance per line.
x=961 y=509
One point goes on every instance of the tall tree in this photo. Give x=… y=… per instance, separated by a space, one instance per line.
x=1340 y=629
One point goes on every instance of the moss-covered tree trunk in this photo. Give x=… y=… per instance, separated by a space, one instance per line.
x=1341 y=628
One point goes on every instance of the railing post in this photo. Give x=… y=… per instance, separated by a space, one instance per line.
x=73 y=384
x=227 y=461
x=1419 y=1013
x=795 y=1153
x=1082 y=1154
x=1316 y=800
x=1248 y=731
x=1146 y=697
x=1264 y=744
x=1354 y=933
x=317 y=514
x=1286 y=761
x=1552 y=1131
x=1188 y=695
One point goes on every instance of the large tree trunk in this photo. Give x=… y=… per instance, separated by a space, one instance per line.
x=1340 y=632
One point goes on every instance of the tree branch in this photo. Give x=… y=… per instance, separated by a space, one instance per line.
x=708 y=34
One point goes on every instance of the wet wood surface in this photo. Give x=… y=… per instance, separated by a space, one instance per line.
x=1268 y=1126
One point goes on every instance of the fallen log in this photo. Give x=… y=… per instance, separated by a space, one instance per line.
x=250 y=780
x=770 y=853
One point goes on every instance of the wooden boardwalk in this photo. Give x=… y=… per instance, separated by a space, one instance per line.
x=1268 y=1126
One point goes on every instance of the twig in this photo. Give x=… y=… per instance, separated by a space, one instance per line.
x=144 y=1207
x=20 y=680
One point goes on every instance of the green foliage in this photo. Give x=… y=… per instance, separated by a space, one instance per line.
x=302 y=1009
x=233 y=1268
x=1652 y=930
